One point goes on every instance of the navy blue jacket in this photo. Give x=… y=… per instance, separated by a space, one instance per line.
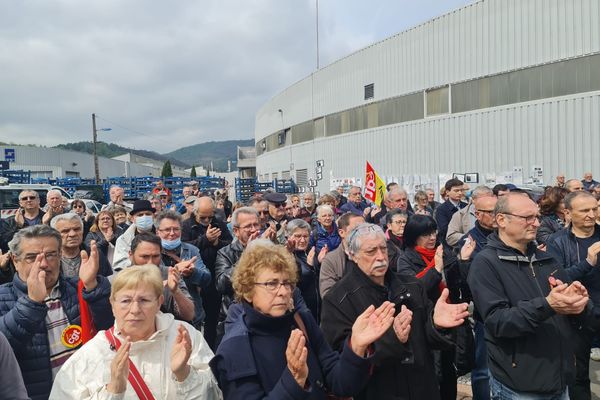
x=443 y=215
x=320 y=237
x=242 y=377
x=23 y=323
x=563 y=246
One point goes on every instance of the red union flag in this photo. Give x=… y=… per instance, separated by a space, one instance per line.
x=374 y=186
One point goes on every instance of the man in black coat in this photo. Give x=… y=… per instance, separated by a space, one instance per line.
x=403 y=364
x=530 y=315
x=576 y=249
x=443 y=214
x=208 y=234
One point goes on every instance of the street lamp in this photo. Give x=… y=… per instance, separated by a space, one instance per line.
x=95 y=137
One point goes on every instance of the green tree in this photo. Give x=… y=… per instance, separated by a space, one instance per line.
x=167 y=170
x=193 y=172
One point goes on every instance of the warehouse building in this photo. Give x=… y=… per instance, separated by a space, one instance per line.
x=496 y=91
x=44 y=162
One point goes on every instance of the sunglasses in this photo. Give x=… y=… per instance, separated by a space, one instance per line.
x=25 y=198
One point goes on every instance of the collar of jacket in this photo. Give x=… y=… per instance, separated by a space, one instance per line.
x=507 y=253
x=236 y=245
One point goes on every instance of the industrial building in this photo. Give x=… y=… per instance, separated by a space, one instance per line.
x=44 y=162
x=496 y=91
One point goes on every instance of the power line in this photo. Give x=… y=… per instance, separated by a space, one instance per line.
x=124 y=127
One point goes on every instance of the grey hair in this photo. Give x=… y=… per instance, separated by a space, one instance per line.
x=114 y=187
x=294 y=225
x=29 y=191
x=362 y=231
x=70 y=216
x=197 y=203
x=53 y=191
x=242 y=210
x=397 y=190
x=309 y=194
x=573 y=195
x=168 y=214
x=481 y=191
x=324 y=207
x=32 y=232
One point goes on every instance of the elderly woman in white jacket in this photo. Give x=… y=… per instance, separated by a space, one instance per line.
x=167 y=359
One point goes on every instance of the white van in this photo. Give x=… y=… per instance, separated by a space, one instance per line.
x=9 y=196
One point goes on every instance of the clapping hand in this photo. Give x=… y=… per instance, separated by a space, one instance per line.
x=119 y=369
x=296 y=355
x=446 y=315
x=88 y=270
x=467 y=250
x=322 y=253
x=180 y=355
x=4 y=259
x=567 y=299
x=173 y=279
x=186 y=267
x=402 y=323
x=36 y=281
x=370 y=326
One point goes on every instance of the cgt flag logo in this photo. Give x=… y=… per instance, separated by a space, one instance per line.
x=374 y=186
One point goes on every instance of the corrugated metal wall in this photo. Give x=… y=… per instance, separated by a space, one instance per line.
x=483 y=38
x=561 y=135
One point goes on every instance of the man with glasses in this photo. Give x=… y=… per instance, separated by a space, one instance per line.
x=576 y=249
x=40 y=309
x=245 y=229
x=464 y=219
x=355 y=203
x=467 y=248
x=262 y=208
x=530 y=315
x=209 y=234
x=146 y=249
x=277 y=216
x=28 y=214
x=185 y=258
x=309 y=207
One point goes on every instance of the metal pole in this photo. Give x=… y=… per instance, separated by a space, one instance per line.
x=95 y=133
x=317 y=23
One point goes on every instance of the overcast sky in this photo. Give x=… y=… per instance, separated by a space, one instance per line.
x=167 y=74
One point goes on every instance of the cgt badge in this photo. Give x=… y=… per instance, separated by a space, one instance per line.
x=71 y=336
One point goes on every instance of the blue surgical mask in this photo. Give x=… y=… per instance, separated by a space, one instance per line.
x=144 y=222
x=170 y=244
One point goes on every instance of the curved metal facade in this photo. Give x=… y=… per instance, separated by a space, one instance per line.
x=558 y=131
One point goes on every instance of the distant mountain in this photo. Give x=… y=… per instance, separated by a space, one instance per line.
x=216 y=152
x=201 y=154
x=111 y=150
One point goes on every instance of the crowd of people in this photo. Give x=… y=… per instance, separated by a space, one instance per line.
x=298 y=297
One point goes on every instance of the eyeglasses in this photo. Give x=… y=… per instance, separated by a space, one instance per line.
x=105 y=219
x=273 y=286
x=26 y=198
x=528 y=219
x=362 y=230
x=249 y=227
x=126 y=302
x=50 y=256
x=171 y=230
x=263 y=212
x=485 y=211
x=205 y=218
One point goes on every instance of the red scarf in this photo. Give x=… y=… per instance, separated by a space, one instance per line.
x=428 y=256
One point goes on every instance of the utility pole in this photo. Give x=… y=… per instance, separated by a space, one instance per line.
x=95 y=137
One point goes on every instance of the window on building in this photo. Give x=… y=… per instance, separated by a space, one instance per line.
x=437 y=101
x=369 y=91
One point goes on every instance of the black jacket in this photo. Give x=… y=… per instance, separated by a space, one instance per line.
x=227 y=259
x=195 y=233
x=401 y=371
x=308 y=283
x=548 y=225
x=411 y=263
x=563 y=246
x=529 y=345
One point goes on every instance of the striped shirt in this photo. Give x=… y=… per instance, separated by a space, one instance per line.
x=56 y=323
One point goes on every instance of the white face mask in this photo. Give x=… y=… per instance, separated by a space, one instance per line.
x=144 y=222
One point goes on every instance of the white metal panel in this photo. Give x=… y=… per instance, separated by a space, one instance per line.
x=483 y=38
x=561 y=135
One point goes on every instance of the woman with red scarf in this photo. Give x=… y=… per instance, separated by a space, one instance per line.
x=436 y=268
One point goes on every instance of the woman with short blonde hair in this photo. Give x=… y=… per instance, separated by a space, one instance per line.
x=172 y=356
